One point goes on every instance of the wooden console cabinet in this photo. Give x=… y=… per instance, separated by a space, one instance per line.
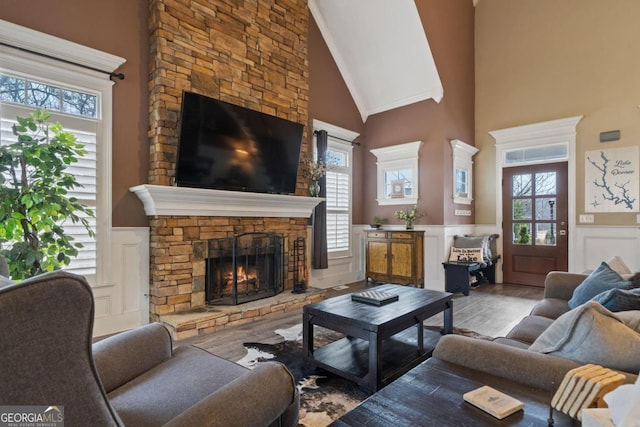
x=395 y=257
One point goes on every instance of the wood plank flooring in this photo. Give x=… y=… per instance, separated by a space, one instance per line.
x=489 y=310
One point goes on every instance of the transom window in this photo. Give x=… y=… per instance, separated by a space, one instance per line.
x=50 y=97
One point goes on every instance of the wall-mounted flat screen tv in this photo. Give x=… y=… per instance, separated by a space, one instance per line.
x=227 y=147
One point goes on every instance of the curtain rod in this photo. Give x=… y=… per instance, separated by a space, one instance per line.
x=111 y=74
x=354 y=142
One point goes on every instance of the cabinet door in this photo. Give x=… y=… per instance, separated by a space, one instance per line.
x=377 y=257
x=401 y=259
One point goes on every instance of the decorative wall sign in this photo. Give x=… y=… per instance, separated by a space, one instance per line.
x=612 y=180
x=466 y=255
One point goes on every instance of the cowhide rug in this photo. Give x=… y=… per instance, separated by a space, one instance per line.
x=324 y=397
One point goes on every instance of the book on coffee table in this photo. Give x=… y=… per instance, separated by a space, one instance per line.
x=493 y=402
x=374 y=297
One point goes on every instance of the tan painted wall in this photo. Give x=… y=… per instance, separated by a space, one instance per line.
x=330 y=101
x=539 y=60
x=118 y=27
x=449 y=29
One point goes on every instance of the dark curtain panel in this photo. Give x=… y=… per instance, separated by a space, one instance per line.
x=320 y=256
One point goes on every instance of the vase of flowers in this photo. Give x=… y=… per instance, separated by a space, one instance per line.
x=409 y=216
x=314 y=171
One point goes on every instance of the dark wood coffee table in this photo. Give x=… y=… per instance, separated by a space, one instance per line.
x=381 y=342
x=431 y=395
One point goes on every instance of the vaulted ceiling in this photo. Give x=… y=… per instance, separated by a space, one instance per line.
x=381 y=50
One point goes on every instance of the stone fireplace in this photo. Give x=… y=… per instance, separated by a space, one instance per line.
x=183 y=220
x=252 y=54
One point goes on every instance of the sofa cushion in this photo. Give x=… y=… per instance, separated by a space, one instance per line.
x=601 y=279
x=592 y=334
x=189 y=376
x=551 y=308
x=619 y=299
x=529 y=328
x=630 y=318
x=512 y=343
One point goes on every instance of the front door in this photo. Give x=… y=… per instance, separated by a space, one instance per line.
x=534 y=200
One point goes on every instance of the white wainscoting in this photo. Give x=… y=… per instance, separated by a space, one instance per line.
x=594 y=244
x=123 y=302
x=342 y=270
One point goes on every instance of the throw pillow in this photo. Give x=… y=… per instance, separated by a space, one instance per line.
x=601 y=279
x=466 y=255
x=592 y=334
x=617 y=264
x=619 y=299
x=474 y=242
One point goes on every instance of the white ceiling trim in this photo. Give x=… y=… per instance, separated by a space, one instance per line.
x=340 y=63
x=383 y=56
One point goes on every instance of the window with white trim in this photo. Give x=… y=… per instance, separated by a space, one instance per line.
x=81 y=100
x=397 y=168
x=338 y=197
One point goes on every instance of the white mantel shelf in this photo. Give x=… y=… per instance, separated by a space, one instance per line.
x=162 y=200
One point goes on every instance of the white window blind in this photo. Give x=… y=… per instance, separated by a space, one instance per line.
x=85 y=170
x=338 y=198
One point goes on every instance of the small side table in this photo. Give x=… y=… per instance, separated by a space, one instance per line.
x=458 y=274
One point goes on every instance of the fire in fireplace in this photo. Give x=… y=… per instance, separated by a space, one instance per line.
x=244 y=268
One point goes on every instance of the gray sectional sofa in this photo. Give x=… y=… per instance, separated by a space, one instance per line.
x=515 y=357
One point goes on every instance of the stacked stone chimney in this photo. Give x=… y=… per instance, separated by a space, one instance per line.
x=249 y=53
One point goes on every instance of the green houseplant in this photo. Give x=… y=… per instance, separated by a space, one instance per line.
x=34 y=200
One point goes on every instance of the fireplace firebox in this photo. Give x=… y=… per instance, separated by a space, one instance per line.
x=244 y=268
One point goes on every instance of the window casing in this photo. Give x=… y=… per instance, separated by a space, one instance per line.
x=462 y=171
x=339 y=188
x=72 y=79
x=397 y=168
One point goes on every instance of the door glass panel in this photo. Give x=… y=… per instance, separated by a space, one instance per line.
x=522 y=233
x=521 y=185
x=521 y=209
x=545 y=183
x=545 y=234
x=545 y=208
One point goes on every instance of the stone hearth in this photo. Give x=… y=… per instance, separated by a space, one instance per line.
x=212 y=318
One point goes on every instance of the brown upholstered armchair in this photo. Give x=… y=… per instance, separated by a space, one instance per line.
x=134 y=378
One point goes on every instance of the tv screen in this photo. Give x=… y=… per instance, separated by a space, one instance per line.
x=228 y=147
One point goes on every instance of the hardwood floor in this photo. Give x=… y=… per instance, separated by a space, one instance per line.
x=489 y=310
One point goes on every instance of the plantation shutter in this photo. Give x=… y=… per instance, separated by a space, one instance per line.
x=337 y=210
x=86 y=172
